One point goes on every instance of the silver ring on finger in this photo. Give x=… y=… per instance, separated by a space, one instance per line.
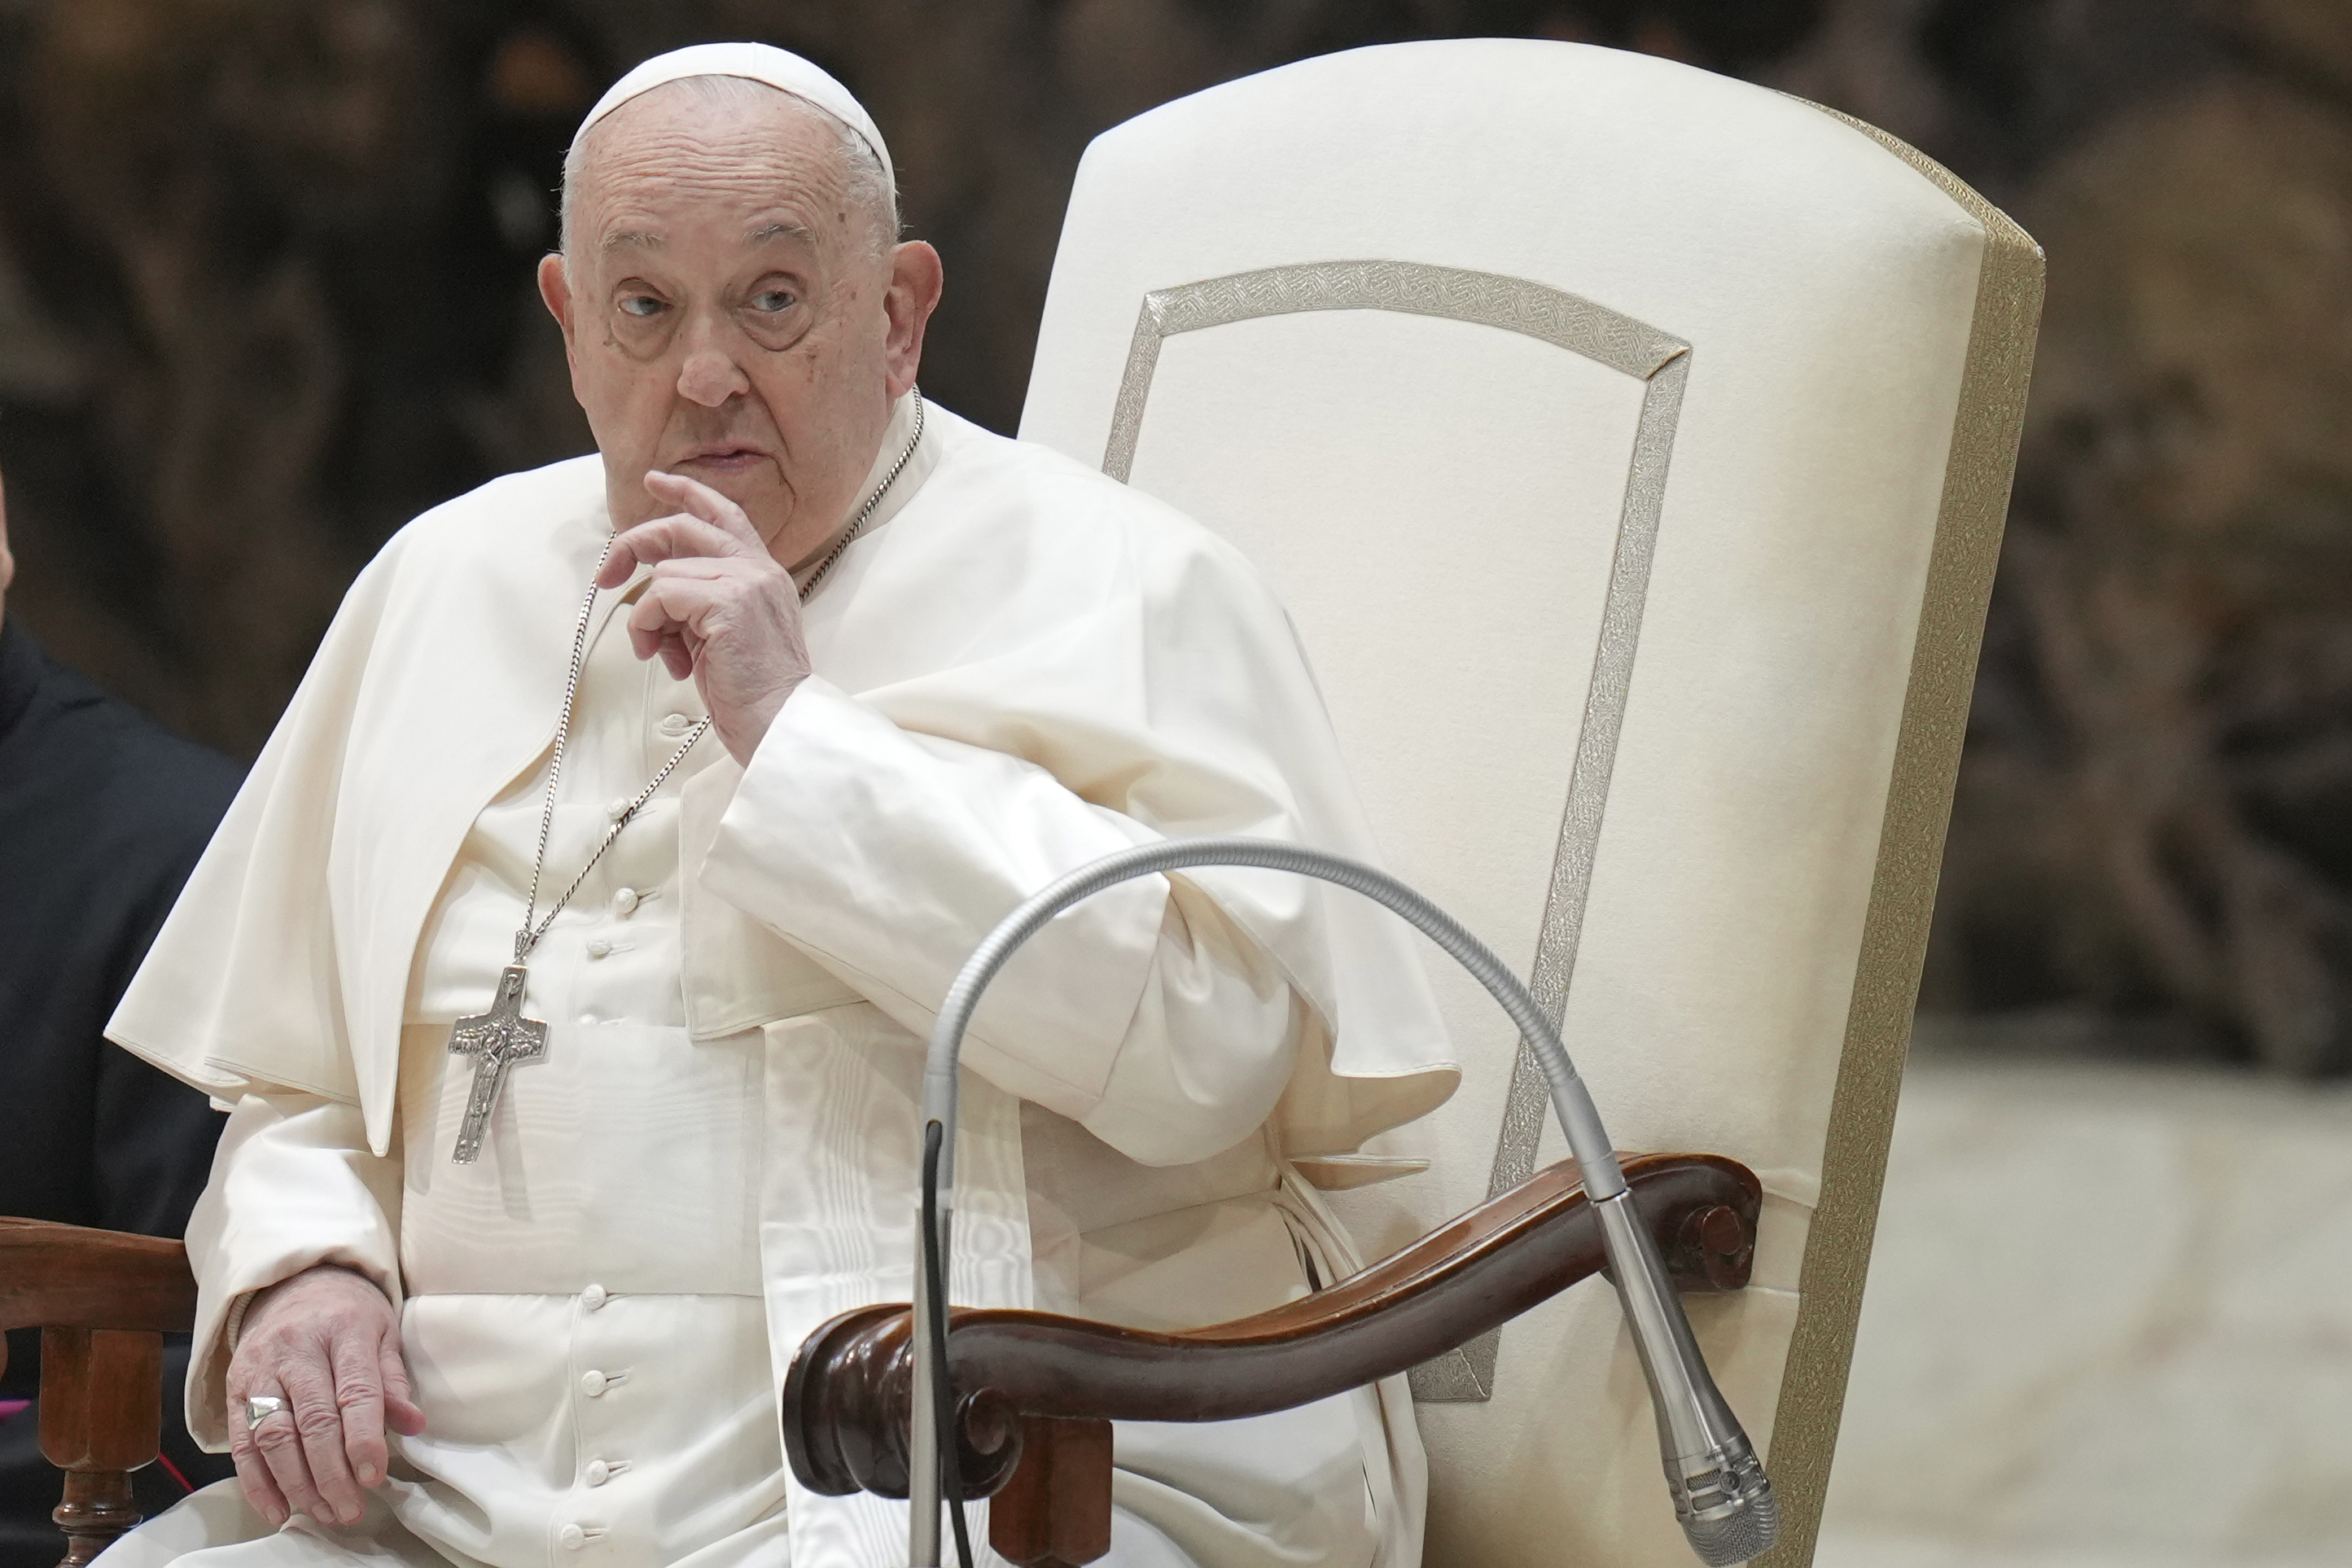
x=261 y=1408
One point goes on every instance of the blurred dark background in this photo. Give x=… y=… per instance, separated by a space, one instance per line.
x=265 y=293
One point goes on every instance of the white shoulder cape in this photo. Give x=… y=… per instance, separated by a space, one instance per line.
x=1017 y=602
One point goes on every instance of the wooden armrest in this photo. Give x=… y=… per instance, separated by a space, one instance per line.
x=103 y=1303
x=66 y=1277
x=1036 y=1391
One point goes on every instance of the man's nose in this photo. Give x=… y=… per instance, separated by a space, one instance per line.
x=711 y=377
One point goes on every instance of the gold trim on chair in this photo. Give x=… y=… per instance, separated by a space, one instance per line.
x=1567 y=320
x=1968 y=523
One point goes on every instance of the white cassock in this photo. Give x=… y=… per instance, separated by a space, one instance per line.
x=1020 y=666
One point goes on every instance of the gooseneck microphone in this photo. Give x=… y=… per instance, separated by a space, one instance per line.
x=1722 y=1497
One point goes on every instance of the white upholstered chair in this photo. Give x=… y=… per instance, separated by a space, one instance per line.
x=1630 y=446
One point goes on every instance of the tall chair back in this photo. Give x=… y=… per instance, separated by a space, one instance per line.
x=1630 y=446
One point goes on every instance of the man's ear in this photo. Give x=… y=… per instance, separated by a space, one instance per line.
x=916 y=282
x=555 y=288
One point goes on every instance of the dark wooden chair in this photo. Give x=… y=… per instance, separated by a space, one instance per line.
x=1036 y=1393
x=103 y=1303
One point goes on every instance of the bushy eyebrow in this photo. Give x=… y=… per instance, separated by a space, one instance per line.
x=779 y=230
x=619 y=237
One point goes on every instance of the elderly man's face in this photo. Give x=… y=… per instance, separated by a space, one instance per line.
x=731 y=313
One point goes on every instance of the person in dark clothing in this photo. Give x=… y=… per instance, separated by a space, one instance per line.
x=102 y=813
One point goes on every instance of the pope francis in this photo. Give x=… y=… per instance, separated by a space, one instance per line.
x=564 y=961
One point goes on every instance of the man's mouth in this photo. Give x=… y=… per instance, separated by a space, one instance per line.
x=722 y=459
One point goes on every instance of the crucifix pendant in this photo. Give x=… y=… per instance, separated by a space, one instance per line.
x=496 y=1040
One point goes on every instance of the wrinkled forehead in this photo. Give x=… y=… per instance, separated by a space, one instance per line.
x=711 y=154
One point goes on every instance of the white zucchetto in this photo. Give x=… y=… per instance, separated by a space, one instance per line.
x=780 y=69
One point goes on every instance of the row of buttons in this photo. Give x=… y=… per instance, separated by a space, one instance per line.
x=624 y=904
x=593 y=1382
x=674 y=726
x=596 y=1472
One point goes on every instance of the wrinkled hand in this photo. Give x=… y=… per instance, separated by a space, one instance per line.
x=328 y=1343
x=717 y=607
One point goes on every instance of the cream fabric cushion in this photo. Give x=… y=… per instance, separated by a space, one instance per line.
x=1626 y=317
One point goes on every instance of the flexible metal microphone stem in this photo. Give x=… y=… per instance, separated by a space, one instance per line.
x=923 y=1489
x=1722 y=1497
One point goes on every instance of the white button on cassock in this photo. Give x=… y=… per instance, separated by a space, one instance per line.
x=624 y=903
x=600 y=948
x=677 y=724
x=592 y=1383
x=593 y=1297
x=618 y=808
x=597 y=1472
x=571 y=1538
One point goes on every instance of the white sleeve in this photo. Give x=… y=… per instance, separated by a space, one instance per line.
x=1141 y=1013
x=293 y=1185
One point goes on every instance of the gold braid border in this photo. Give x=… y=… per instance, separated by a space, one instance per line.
x=1975 y=506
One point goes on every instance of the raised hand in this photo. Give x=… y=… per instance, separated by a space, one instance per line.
x=718 y=606
x=328 y=1343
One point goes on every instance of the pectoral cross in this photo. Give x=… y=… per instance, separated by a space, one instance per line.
x=496 y=1040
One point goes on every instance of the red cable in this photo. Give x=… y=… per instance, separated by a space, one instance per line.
x=172 y=1471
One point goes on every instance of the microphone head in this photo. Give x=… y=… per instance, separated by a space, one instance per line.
x=1724 y=1502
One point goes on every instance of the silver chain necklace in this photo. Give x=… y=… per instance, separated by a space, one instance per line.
x=849 y=534
x=502 y=1037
